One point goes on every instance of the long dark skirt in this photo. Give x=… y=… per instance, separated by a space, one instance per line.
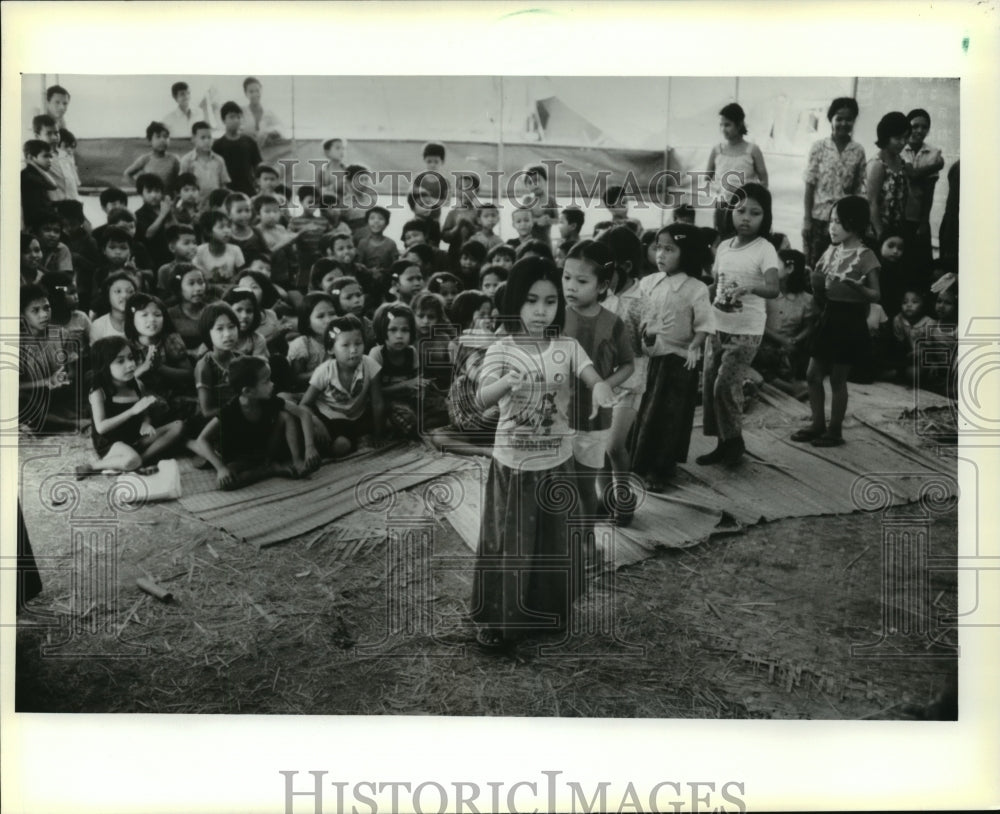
x=663 y=427
x=528 y=567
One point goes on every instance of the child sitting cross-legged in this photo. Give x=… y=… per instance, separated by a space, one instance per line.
x=257 y=434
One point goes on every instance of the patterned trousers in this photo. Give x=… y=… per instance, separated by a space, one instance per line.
x=727 y=365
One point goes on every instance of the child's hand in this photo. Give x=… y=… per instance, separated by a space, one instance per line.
x=313 y=460
x=58 y=379
x=142 y=405
x=693 y=354
x=603 y=396
x=514 y=381
x=165 y=206
x=225 y=479
x=147 y=429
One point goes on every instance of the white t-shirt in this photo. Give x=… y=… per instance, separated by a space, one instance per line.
x=334 y=401
x=742 y=266
x=102 y=328
x=534 y=430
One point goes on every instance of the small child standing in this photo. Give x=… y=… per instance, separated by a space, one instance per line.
x=345 y=391
x=376 y=251
x=522 y=222
x=218 y=258
x=399 y=377
x=36 y=181
x=570 y=224
x=206 y=166
x=122 y=432
x=677 y=319
x=844 y=283
x=489 y=217
x=540 y=202
x=158 y=161
x=260 y=435
x=240 y=153
x=153 y=218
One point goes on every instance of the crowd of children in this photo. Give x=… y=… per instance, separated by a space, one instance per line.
x=266 y=331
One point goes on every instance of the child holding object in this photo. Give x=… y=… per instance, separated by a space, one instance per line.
x=258 y=434
x=844 y=283
x=528 y=569
x=746 y=273
x=677 y=319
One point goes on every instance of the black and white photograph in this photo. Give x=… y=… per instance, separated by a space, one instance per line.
x=456 y=402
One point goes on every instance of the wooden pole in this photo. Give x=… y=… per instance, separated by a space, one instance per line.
x=666 y=152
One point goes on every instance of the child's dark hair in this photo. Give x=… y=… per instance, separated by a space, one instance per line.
x=614 y=196
x=149 y=181
x=536 y=170
x=264 y=200
x=181 y=270
x=734 y=113
x=597 y=255
x=112 y=195
x=27 y=238
x=200 y=126
x=237 y=294
x=602 y=225
x=919 y=112
x=305 y=191
x=103 y=304
x=854 y=214
x=466 y=306
x=57 y=283
x=751 y=192
x=690 y=242
x=70 y=211
x=177 y=88
x=538 y=247
x=187 y=179
x=625 y=247
x=35 y=147
x=320 y=269
x=309 y=303
x=415 y=225
x=840 y=102
x=114 y=235
x=434 y=149
x=210 y=217
x=474 y=249
x=501 y=250
x=387 y=312
x=525 y=273
x=102 y=353
x=54 y=90
x=330 y=142
x=341 y=324
x=685 y=210
x=438 y=278
x=32 y=293
x=217 y=198
x=796 y=282
x=234 y=198
x=574 y=216
x=138 y=302
x=268 y=293
x=498 y=296
x=244 y=372
x=176 y=231
x=378 y=210
x=891 y=125
x=40 y=122
x=494 y=269
x=339 y=285
x=121 y=215
x=229 y=108
x=46 y=217
x=156 y=129
x=396 y=269
x=208 y=317
x=423 y=252
x=428 y=301
x=266 y=168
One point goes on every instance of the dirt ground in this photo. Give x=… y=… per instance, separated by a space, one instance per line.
x=758 y=624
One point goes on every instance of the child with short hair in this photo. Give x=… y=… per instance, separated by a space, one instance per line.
x=909 y=326
x=376 y=251
x=433 y=187
x=523 y=224
x=188 y=205
x=246 y=237
x=535 y=248
x=217 y=257
x=158 y=161
x=784 y=350
x=112 y=297
x=345 y=391
x=76 y=233
x=219 y=329
x=116 y=257
x=434 y=335
x=123 y=433
x=153 y=218
x=37 y=181
x=340 y=247
x=446 y=285
x=422 y=255
x=43 y=384
x=308 y=350
x=334 y=171
x=399 y=377
x=501 y=256
x=349 y=298
x=62 y=169
x=407 y=280
x=310 y=227
x=571 y=220
x=259 y=434
x=540 y=202
x=416 y=233
x=490 y=278
x=240 y=153
x=489 y=217
x=684 y=213
x=429 y=217
x=56 y=255
x=280 y=242
x=182 y=243
x=470 y=260
x=207 y=166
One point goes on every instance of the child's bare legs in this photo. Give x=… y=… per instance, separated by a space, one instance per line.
x=165 y=437
x=817 y=395
x=622 y=419
x=838 y=399
x=286 y=442
x=121 y=457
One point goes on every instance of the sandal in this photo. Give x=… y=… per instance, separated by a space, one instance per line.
x=490 y=639
x=807 y=434
x=152 y=469
x=828 y=441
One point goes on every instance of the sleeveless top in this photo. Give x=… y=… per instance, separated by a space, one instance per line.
x=741 y=163
x=892 y=196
